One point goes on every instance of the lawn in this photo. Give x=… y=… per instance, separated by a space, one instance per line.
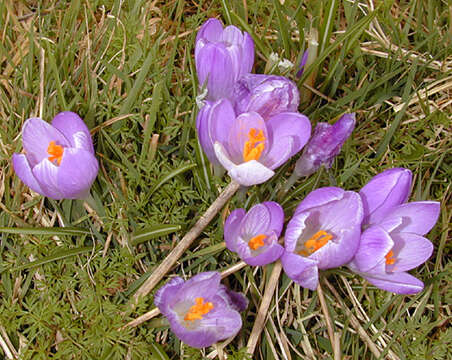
x=69 y=269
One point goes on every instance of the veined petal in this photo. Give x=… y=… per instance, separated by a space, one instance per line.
x=418 y=217
x=220 y=121
x=36 y=136
x=202 y=126
x=211 y=30
x=46 y=174
x=300 y=269
x=385 y=191
x=279 y=152
x=74 y=129
x=162 y=298
x=398 y=282
x=23 y=171
x=204 y=284
x=410 y=251
x=256 y=221
x=374 y=245
x=276 y=216
x=320 y=197
x=232 y=228
x=77 y=172
x=247 y=54
x=294 y=230
x=272 y=253
x=250 y=173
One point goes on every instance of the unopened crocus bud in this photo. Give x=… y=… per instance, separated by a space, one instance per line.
x=59 y=159
x=267 y=95
x=303 y=62
x=324 y=145
x=201 y=311
x=222 y=56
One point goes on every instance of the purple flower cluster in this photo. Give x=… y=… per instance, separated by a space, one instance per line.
x=374 y=232
x=249 y=124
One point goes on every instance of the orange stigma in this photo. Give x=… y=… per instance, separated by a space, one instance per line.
x=390 y=259
x=318 y=240
x=253 y=148
x=198 y=310
x=55 y=151
x=257 y=242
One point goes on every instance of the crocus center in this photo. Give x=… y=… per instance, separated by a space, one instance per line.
x=198 y=310
x=318 y=240
x=253 y=148
x=390 y=259
x=257 y=242
x=56 y=152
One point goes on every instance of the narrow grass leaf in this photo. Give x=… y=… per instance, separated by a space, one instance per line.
x=58 y=231
x=153 y=232
x=169 y=176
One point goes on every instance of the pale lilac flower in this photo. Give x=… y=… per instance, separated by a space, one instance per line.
x=200 y=310
x=267 y=95
x=59 y=160
x=248 y=147
x=392 y=241
x=325 y=145
x=323 y=234
x=254 y=235
x=222 y=56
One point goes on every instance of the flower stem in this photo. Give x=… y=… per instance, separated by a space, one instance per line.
x=289 y=183
x=166 y=265
x=262 y=313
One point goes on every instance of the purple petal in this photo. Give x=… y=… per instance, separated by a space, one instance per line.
x=203 y=284
x=23 y=171
x=272 y=253
x=237 y=301
x=36 y=136
x=74 y=129
x=290 y=124
x=77 y=172
x=247 y=54
x=410 y=251
x=276 y=216
x=221 y=120
x=232 y=228
x=163 y=297
x=320 y=197
x=417 y=217
x=232 y=35
x=202 y=126
x=46 y=173
x=256 y=221
x=250 y=173
x=300 y=269
x=214 y=65
x=399 y=283
x=325 y=145
x=211 y=30
x=384 y=191
x=374 y=245
x=303 y=61
x=294 y=230
x=223 y=322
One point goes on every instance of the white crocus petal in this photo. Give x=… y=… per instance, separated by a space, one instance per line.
x=246 y=174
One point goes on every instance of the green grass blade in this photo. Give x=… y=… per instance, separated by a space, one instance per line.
x=56 y=231
x=153 y=232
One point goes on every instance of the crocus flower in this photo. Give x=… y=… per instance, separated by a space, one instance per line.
x=392 y=242
x=246 y=145
x=267 y=95
x=222 y=56
x=325 y=145
x=254 y=235
x=323 y=234
x=201 y=311
x=59 y=159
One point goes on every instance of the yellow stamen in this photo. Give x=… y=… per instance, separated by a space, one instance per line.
x=198 y=310
x=390 y=259
x=253 y=148
x=257 y=242
x=318 y=240
x=55 y=152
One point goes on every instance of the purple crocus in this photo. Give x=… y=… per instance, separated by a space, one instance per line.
x=392 y=241
x=253 y=235
x=59 y=159
x=267 y=95
x=323 y=234
x=246 y=145
x=222 y=56
x=325 y=145
x=303 y=61
x=201 y=311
